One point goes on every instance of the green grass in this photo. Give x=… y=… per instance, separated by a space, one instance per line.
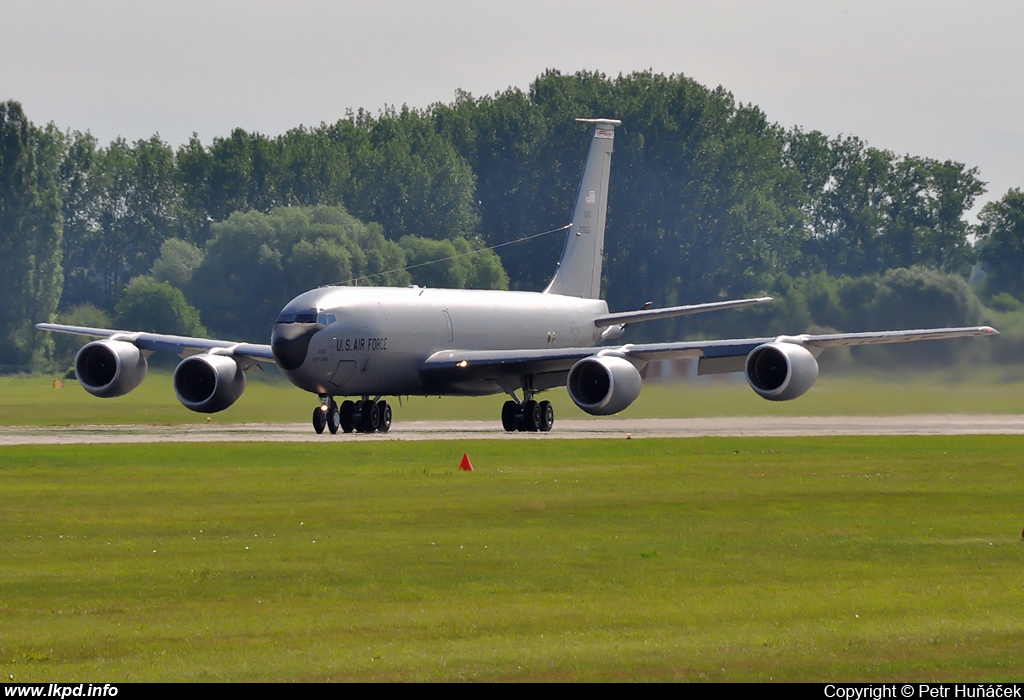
x=34 y=401
x=701 y=559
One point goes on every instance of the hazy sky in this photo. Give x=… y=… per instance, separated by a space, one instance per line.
x=933 y=78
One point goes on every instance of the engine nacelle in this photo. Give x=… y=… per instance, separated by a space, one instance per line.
x=603 y=384
x=208 y=383
x=781 y=371
x=109 y=368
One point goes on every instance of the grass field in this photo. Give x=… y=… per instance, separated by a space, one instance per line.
x=34 y=401
x=700 y=559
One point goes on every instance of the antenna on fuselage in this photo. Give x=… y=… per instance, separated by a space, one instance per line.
x=354 y=281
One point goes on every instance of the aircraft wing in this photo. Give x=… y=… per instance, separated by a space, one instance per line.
x=715 y=356
x=182 y=346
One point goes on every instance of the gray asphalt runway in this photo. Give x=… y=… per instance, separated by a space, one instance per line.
x=567 y=429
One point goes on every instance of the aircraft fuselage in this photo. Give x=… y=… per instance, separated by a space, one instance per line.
x=369 y=341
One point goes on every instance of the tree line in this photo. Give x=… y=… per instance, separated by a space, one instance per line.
x=709 y=199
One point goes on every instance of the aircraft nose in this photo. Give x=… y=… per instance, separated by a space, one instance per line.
x=290 y=342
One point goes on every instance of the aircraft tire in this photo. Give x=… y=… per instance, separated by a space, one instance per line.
x=547 y=417
x=333 y=418
x=385 y=416
x=372 y=417
x=319 y=420
x=360 y=416
x=531 y=416
x=509 y=419
x=369 y=417
x=347 y=416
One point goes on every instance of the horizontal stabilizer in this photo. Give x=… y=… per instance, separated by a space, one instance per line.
x=672 y=311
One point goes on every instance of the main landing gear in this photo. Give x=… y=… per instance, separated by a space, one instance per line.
x=527 y=415
x=365 y=416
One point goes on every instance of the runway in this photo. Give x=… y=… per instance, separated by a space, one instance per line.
x=616 y=428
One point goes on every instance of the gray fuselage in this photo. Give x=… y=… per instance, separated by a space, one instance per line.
x=359 y=341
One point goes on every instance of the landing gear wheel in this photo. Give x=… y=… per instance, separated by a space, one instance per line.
x=347 y=416
x=385 y=416
x=372 y=416
x=510 y=416
x=369 y=417
x=547 y=417
x=333 y=418
x=319 y=419
x=360 y=416
x=531 y=416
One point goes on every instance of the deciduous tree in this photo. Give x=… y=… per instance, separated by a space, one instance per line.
x=31 y=275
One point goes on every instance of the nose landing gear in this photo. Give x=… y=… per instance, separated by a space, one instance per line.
x=326 y=416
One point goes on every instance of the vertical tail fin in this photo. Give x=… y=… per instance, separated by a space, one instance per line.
x=579 y=270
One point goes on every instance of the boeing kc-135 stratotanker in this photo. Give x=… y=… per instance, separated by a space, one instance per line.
x=373 y=342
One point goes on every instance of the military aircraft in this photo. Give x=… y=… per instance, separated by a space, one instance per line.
x=373 y=342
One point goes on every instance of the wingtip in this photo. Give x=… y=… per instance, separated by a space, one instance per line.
x=989 y=330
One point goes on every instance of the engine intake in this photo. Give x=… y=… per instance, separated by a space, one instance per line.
x=603 y=384
x=781 y=371
x=208 y=383
x=109 y=368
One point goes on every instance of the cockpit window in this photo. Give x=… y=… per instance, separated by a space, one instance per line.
x=298 y=317
x=325 y=319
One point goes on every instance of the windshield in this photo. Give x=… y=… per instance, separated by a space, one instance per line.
x=308 y=316
x=297 y=316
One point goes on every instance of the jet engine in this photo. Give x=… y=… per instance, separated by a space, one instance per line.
x=603 y=384
x=208 y=383
x=781 y=371
x=109 y=368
